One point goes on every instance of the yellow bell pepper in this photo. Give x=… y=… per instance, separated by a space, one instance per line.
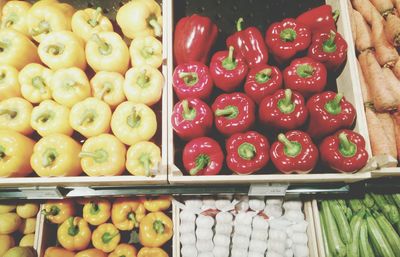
x=90 y=253
x=7 y=242
x=133 y=123
x=68 y=10
x=9 y=85
x=89 y=21
x=35 y=82
x=126 y=214
x=91 y=117
x=4 y=208
x=9 y=223
x=146 y=51
x=27 y=240
x=106 y=51
x=106 y=237
x=49 y=118
x=143 y=158
x=27 y=210
x=108 y=87
x=62 y=49
x=2 y=3
x=16 y=49
x=140 y=18
x=126 y=250
x=143 y=84
x=56 y=155
x=28 y=226
x=58 y=211
x=155 y=229
x=103 y=155
x=58 y=252
x=97 y=212
x=152 y=252
x=70 y=86
x=15 y=114
x=15 y=152
x=14 y=16
x=160 y=203
x=74 y=234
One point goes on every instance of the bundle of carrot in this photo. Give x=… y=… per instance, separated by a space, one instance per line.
x=376 y=31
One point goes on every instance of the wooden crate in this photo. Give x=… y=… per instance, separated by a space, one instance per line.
x=347 y=83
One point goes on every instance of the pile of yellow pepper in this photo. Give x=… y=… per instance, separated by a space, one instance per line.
x=98 y=232
x=65 y=72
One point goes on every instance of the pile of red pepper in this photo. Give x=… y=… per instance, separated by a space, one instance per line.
x=257 y=94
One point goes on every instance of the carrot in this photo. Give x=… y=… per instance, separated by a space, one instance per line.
x=392 y=29
x=396 y=121
x=363 y=38
x=366 y=8
x=352 y=21
x=396 y=68
x=383 y=6
x=389 y=130
x=364 y=87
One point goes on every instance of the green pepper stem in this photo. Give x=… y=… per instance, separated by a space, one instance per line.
x=188 y=113
x=143 y=80
x=95 y=19
x=147 y=52
x=346 y=147
x=247 y=151
x=44 y=27
x=2 y=75
x=145 y=160
x=132 y=217
x=230 y=112
x=156 y=27
x=285 y=105
x=73 y=229
x=9 y=112
x=329 y=46
x=263 y=75
x=54 y=211
x=202 y=161
x=2 y=152
x=48 y=157
x=104 y=48
x=305 y=70
x=288 y=35
x=190 y=78
x=333 y=106
x=107 y=237
x=10 y=20
x=44 y=117
x=229 y=63
x=107 y=87
x=99 y=155
x=335 y=15
x=159 y=227
x=94 y=208
x=291 y=148
x=239 y=24
x=39 y=83
x=88 y=118
x=55 y=49
x=134 y=119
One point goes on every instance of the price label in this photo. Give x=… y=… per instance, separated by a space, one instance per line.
x=41 y=193
x=269 y=189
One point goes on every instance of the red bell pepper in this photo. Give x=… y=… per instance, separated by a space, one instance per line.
x=319 y=19
x=344 y=151
x=249 y=44
x=234 y=113
x=286 y=38
x=193 y=38
x=227 y=71
x=294 y=152
x=192 y=80
x=191 y=118
x=329 y=112
x=247 y=153
x=203 y=156
x=328 y=48
x=283 y=110
x=261 y=81
x=305 y=76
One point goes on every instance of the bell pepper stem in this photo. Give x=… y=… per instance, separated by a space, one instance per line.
x=132 y=217
x=201 y=162
x=43 y=27
x=291 y=148
x=305 y=70
x=156 y=27
x=107 y=237
x=107 y=87
x=239 y=24
x=159 y=227
x=44 y=117
x=54 y=211
x=247 y=151
x=48 y=157
x=104 y=48
x=333 y=106
x=2 y=152
x=38 y=82
x=147 y=52
x=263 y=75
x=87 y=119
x=145 y=160
x=9 y=112
x=2 y=75
x=230 y=112
x=188 y=113
x=3 y=45
x=329 y=46
x=55 y=49
x=99 y=155
x=190 y=78
x=143 y=79
x=134 y=119
x=346 y=147
x=95 y=19
x=286 y=105
x=73 y=229
x=288 y=35
x=94 y=208
x=335 y=15
x=229 y=63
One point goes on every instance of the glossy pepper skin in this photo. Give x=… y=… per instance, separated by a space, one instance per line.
x=193 y=38
x=261 y=81
x=247 y=153
x=329 y=48
x=58 y=211
x=305 y=76
x=329 y=112
x=126 y=250
x=74 y=234
x=286 y=38
x=203 y=156
x=155 y=230
x=160 y=203
x=14 y=16
x=126 y=214
x=227 y=71
x=191 y=118
x=192 y=80
x=294 y=152
x=58 y=251
x=93 y=252
x=249 y=44
x=319 y=19
x=106 y=237
x=284 y=110
x=344 y=151
x=234 y=113
x=15 y=115
x=152 y=252
x=9 y=84
x=97 y=212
